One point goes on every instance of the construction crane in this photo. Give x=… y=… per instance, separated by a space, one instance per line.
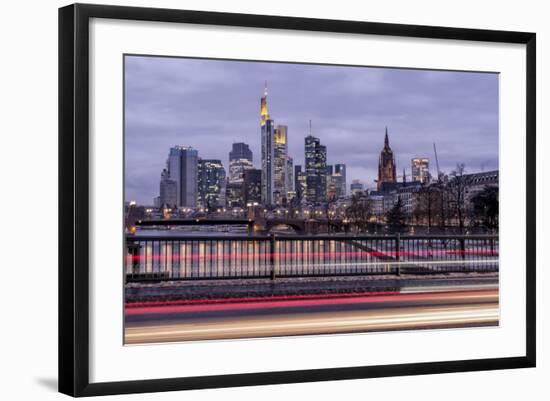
x=437 y=164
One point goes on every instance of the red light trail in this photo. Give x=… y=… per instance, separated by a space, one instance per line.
x=309 y=255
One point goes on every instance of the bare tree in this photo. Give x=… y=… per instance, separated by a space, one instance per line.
x=456 y=192
x=426 y=205
x=442 y=205
x=485 y=208
x=327 y=209
x=359 y=212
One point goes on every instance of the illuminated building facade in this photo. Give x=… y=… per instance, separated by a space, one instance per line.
x=211 y=183
x=300 y=186
x=340 y=171
x=280 y=154
x=386 y=164
x=329 y=170
x=420 y=169
x=336 y=181
x=234 y=194
x=252 y=189
x=337 y=187
x=331 y=187
x=289 y=177
x=316 y=164
x=240 y=159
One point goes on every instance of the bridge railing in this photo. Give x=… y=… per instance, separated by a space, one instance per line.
x=158 y=258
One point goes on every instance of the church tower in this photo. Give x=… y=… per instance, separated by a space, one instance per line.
x=386 y=164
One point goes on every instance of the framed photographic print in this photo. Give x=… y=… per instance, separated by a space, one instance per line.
x=249 y=199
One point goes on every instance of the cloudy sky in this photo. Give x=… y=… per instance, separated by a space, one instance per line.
x=210 y=104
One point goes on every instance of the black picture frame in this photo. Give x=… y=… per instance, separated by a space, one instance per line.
x=74 y=201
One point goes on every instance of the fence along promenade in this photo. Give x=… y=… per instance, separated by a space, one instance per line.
x=163 y=258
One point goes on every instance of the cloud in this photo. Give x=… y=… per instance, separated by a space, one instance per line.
x=209 y=104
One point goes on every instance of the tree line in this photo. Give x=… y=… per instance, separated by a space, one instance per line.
x=440 y=204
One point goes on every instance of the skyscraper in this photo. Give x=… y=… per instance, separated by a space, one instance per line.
x=420 y=169
x=386 y=164
x=280 y=154
x=300 y=186
x=267 y=151
x=331 y=187
x=211 y=183
x=340 y=169
x=234 y=194
x=289 y=176
x=240 y=159
x=182 y=168
x=252 y=186
x=297 y=171
x=329 y=170
x=338 y=185
x=316 y=163
x=167 y=191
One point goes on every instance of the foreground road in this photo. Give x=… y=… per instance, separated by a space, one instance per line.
x=208 y=321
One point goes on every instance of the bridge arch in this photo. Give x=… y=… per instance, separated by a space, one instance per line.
x=298 y=227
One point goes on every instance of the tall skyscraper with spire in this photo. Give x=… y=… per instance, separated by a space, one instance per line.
x=386 y=164
x=267 y=151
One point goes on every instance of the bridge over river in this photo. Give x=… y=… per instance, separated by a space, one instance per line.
x=258 y=224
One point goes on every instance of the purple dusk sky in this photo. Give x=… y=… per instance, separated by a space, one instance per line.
x=209 y=104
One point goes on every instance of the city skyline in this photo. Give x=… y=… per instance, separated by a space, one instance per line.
x=211 y=104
